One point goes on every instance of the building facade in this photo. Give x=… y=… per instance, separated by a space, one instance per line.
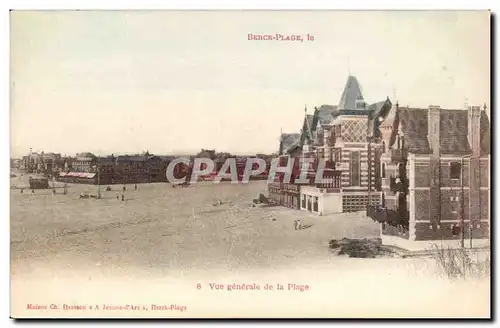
x=435 y=168
x=346 y=137
x=84 y=162
x=140 y=169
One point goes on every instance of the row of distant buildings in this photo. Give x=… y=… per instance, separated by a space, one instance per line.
x=89 y=168
x=423 y=173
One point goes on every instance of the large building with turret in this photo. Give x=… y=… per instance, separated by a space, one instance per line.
x=424 y=174
x=347 y=138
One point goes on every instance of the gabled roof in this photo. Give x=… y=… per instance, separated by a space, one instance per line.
x=413 y=123
x=307 y=128
x=325 y=113
x=351 y=93
x=377 y=110
x=380 y=108
x=309 y=124
x=289 y=140
x=453 y=131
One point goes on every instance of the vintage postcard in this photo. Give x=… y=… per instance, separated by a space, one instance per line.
x=250 y=164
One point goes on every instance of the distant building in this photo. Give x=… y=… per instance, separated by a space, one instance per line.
x=140 y=169
x=43 y=163
x=84 y=162
x=106 y=169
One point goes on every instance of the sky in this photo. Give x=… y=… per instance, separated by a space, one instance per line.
x=174 y=82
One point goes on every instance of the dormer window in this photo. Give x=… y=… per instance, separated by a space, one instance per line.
x=360 y=104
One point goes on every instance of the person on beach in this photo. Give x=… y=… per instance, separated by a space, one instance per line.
x=295 y=224
x=135 y=186
x=22 y=190
x=298 y=225
x=33 y=191
x=123 y=197
x=118 y=196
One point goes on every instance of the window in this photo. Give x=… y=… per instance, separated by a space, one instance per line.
x=454 y=205
x=456 y=229
x=338 y=154
x=383 y=146
x=455 y=170
x=355 y=168
x=383 y=170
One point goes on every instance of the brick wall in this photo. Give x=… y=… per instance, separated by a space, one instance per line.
x=448 y=205
x=422 y=173
x=446 y=181
x=425 y=232
x=421 y=205
x=485 y=174
x=451 y=202
x=485 y=205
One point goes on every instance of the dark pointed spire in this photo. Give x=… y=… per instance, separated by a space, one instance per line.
x=351 y=93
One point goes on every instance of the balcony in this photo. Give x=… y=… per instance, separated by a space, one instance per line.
x=291 y=188
x=275 y=187
x=397 y=155
x=384 y=215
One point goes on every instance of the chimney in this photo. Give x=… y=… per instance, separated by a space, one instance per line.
x=434 y=128
x=433 y=135
x=473 y=125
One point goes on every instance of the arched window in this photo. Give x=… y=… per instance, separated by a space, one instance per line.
x=383 y=146
x=383 y=170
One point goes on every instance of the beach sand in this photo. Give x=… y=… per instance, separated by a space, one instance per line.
x=161 y=242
